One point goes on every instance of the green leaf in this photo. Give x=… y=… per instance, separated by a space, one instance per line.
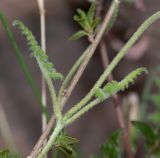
x=82 y=20
x=156 y=100
x=65 y=144
x=129 y=79
x=91 y=13
x=111 y=87
x=78 y=35
x=114 y=86
x=146 y=130
x=6 y=154
x=95 y=23
x=45 y=66
x=111 y=148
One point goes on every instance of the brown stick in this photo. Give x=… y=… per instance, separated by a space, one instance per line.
x=39 y=144
x=75 y=80
x=116 y=101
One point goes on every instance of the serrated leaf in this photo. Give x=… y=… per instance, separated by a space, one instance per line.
x=111 y=87
x=45 y=66
x=78 y=35
x=146 y=130
x=130 y=78
x=91 y=13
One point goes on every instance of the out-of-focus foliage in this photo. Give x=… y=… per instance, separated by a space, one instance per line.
x=111 y=149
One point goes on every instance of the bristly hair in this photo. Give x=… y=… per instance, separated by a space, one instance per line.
x=114 y=86
x=46 y=67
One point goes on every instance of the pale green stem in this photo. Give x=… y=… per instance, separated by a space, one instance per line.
x=51 y=141
x=51 y=88
x=82 y=111
x=69 y=76
x=115 y=61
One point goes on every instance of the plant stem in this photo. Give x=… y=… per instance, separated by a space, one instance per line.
x=89 y=106
x=110 y=68
x=115 y=61
x=92 y=49
x=116 y=101
x=69 y=76
x=50 y=142
x=43 y=46
x=38 y=146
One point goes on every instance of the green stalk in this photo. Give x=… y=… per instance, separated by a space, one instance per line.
x=115 y=61
x=52 y=91
x=51 y=141
x=70 y=74
x=81 y=112
x=21 y=61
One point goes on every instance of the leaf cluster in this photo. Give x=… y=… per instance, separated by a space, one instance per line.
x=65 y=144
x=111 y=148
x=87 y=21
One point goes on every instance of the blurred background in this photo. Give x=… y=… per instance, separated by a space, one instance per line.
x=17 y=101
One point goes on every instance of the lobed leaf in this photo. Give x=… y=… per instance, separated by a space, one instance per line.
x=114 y=86
x=46 y=67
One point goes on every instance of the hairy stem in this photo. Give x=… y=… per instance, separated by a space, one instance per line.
x=116 y=101
x=50 y=142
x=115 y=61
x=38 y=146
x=92 y=49
x=69 y=76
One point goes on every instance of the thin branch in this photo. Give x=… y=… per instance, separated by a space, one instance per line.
x=43 y=46
x=116 y=101
x=37 y=148
x=92 y=49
